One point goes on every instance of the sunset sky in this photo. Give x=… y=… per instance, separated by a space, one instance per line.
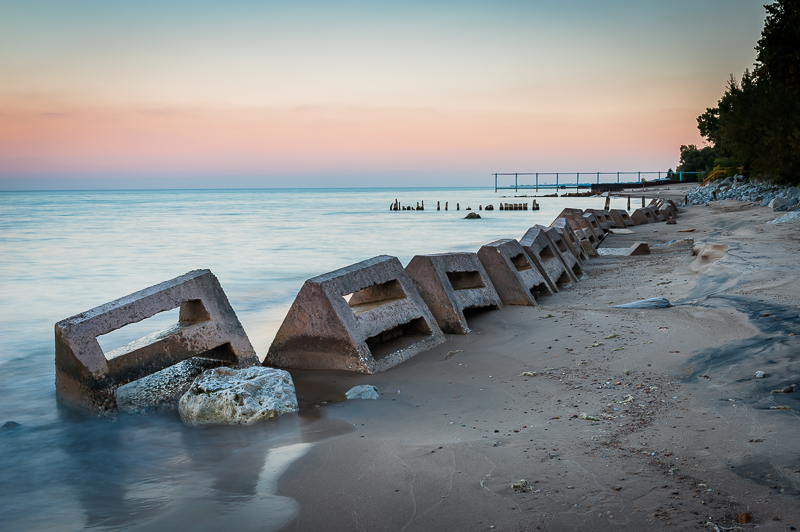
x=99 y=94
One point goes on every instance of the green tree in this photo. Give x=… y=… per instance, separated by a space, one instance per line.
x=778 y=49
x=696 y=160
x=756 y=123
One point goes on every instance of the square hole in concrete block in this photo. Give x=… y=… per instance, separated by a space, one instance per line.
x=521 y=262
x=134 y=335
x=469 y=280
x=547 y=254
x=397 y=338
x=374 y=296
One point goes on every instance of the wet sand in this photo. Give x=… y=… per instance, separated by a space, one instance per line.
x=678 y=433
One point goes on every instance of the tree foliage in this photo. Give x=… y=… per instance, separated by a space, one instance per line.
x=696 y=160
x=757 y=121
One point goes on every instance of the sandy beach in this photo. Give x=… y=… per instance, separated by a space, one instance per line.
x=634 y=419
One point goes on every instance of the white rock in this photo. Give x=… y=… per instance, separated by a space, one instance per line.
x=790 y=217
x=225 y=396
x=760 y=374
x=364 y=391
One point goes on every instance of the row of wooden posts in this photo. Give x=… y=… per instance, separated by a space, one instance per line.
x=503 y=206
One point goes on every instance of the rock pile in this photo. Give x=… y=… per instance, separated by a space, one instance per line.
x=779 y=198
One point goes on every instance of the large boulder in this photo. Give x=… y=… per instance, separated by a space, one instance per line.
x=225 y=396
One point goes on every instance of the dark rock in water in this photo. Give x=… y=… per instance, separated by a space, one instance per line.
x=162 y=389
x=653 y=302
x=489 y=208
x=472 y=216
x=9 y=425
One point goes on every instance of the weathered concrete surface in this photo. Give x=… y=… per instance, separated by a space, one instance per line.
x=588 y=248
x=600 y=217
x=225 y=396
x=667 y=208
x=451 y=283
x=384 y=322
x=517 y=280
x=570 y=237
x=642 y=216
x=625 y=216
x=591 y=219
x=618 y=221
x=162 y=390
x=604 y=218
x=657 y=216
x=665 y=213
x=539 y=247
x=674 y=208
x=580 y=225
x=567 y=254
x=208 y=327
x=638 y=248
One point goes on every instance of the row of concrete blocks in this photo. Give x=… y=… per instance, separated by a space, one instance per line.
x=366 y=317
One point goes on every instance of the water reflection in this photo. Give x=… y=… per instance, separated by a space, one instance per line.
x=151 y=473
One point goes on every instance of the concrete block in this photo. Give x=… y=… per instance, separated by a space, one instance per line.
x=588 y=248
x=514 y=276
x=570 y=237
x=600 y=216
x=591 y=219
x=581 y=226
x=366 y=317
x=538 y=245
x=86 y=377
x=624 y=215
x=570 y=259
x=451 y=283
x=665 y=207
x=657 y=216
x=638 y=248
x=619 y=223
x=642 y=216
x=673 y=205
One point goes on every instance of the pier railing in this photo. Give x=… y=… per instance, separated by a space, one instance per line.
x=589 y=178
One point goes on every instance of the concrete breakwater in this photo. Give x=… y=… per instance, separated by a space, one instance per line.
x=367 y=317
x=420 y=206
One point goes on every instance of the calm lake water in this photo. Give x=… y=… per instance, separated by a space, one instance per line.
x=66 y=252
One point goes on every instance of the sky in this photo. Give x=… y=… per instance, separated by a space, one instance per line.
x=246 y=93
